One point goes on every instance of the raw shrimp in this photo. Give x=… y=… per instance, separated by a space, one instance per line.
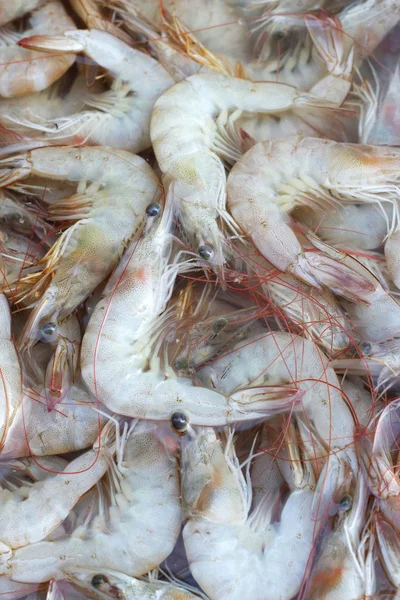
x=24 y=72
x=284 y=359
x=141 y=526
x=272 y=178
x=10 y=373
x=187 y=141
x=73 y=425
x=345 y=566
x=120 y=116
x=260 y=559
x=109 y=584
x=31 y=513
x=119 y=356
x=114 y=189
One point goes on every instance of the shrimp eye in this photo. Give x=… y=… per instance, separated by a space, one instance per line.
x=179 y=422
x=153 y=209
x=206 y=252
x=98 y=580
x=346 y=503
x=219 y=325
x=366 y=348
x=182 y=364
x=48 y=329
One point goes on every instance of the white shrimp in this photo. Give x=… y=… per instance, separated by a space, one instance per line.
x=141 y=526
x=272 y=178
x=73 y=425
x=186 y=142
x=31 y=513
x=260 y=559
x=119 y=117
x=119 y=359
x=114 y=189
x=10 y=373
x=23 y=71
x=286 y=360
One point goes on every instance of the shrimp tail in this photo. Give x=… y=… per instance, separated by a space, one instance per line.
x=389 y=546
x=268 y=400
x=320 y=271
x=52 y=43
x=337 y=52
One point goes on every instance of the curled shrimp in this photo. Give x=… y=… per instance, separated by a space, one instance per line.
x=274 y=177
x=119 y=117
x=189 y=156
x=260 y=560
x=23 y=71
x=143 y=522
x=34 y=511
x=114 y=189
x=120 y=359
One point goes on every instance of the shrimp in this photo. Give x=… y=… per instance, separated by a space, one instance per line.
x=73 y=425
x=345 y=566
x=274 y=177
x=10 y=373
x=121 y=116
x=140 y=528
x=24 y=72
x=31 y=513
x=114 y=189
x=119 y=360
x=281 y=358
x=188 y=155
x=107 y=584
x=221 y=530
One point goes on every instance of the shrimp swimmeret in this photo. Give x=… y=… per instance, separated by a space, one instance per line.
x=275 y=177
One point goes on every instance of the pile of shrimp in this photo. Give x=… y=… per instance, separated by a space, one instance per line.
x=199 y=303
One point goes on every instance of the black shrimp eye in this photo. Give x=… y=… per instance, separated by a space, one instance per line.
x=98 y=580
x=366 y=348
x=153 y=209
x=179 y=422
x=346 y=503
x=181 y=364
x=48 y=329
x=206 y=252
x=219 y=324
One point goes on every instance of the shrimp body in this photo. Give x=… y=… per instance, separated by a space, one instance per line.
x=273 y=178
x=120 y=117
x=220 y=529
x=30 y=514
x=142 y=525
x=116 y=357
x=280 y=359
x=10 y=373
x=185 y=141
x=24 y=72
x=71 y=427
x=114 y=189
